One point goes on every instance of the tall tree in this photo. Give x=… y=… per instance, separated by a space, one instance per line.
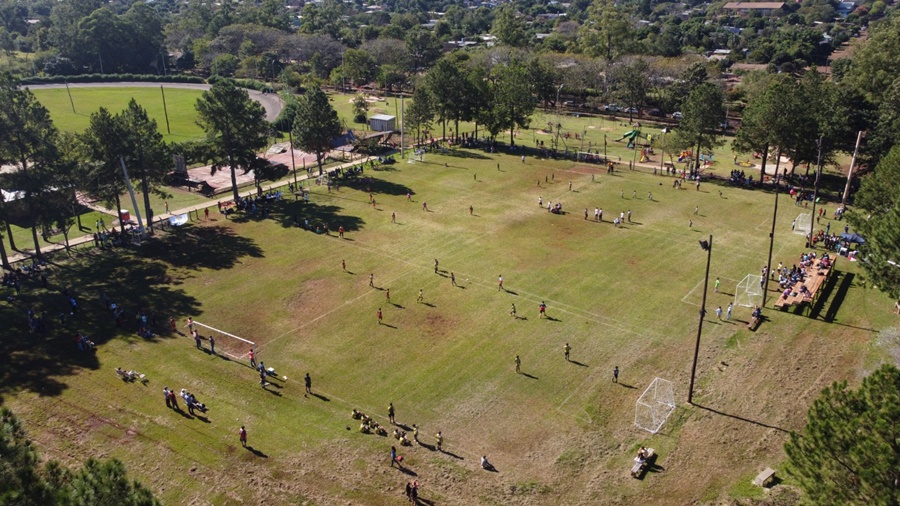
x=419 y=113
x=509 y=27
x=447 y=83
x=27 y=141
x=149 y=157
x=773 y=119
x=104 y=144
x=423 y=47
x=878 y=195
x=25 y=482
x=876 y=63
x=849 y=452
x=513 y=98
x=703 y=111
x=316 y=124
x=632 y=82
x=608 y=31
x=235 y=128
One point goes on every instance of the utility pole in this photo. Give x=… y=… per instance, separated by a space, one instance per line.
x=850 y=172
x=708 y=247
x=772 y=234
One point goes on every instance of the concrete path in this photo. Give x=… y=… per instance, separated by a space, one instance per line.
x=271 y=102
x=25 y=253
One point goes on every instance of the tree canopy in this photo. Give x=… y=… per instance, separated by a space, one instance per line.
x=849 y=452
x=235 y=126
x=316 y=124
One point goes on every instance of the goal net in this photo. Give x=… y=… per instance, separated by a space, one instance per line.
x=655 y=405
x=226 y=344
x=802 y=224
x=748 y=292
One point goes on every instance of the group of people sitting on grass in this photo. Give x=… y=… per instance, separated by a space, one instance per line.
x=400 y=435
x=36 y=323
x=131 y=375
x=83 y=342
x=554 y=208
x=368 y=425
x=192 y=402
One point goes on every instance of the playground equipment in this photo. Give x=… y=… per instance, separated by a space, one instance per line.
x=634 y=137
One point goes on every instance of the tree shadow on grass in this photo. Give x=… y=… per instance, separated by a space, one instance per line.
x=380 y=186
x=465 y=153
x=290 y=213
x=202 y=247
x=39 y=362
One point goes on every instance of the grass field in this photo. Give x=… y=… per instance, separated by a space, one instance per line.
x=179 y=104
x=560 y=433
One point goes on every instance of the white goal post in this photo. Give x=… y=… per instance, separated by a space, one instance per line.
x=748 y=292
x=655 y=405
x=803 y=223
x=235 y=347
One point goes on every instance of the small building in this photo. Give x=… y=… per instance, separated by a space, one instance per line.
x=383 y=123
x=764 y=8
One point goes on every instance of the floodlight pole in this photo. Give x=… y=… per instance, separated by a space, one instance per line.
x=812 y=217
x=293 y=162
x=772 y=233
x=702 y=315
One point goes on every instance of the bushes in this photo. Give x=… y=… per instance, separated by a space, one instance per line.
x=112 y=78
x=251 y=84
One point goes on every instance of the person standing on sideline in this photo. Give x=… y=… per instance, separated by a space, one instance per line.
x=391 y=412
x=696 y=209
x=174 y=400
x=439 y=440
x=372 y=280
x=262 y=377
x=379 y=316
x=523 y=158
x=730 y=306
x=166 y=395
x=500 y=282
x=190 y=325
x=717 y=285
x=197 y=340
x=596 y=214
x=616 y=374
x=518 y=364
x=206 y=214
x=512 y=311
x=629 y=216
x=719 y=313
x=567 y=349
x=394 y=457
x=243 y=436
x=212 y=345
x=341 y=231
x=452 y=279
x=415 y=433
x=308 y=382
x=252 y=359
x=167 y=206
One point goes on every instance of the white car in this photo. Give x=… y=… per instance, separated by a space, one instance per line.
x=611 y=108
x=631 y=110
x=677 y=115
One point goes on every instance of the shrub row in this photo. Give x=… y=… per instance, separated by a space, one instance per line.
x=112 y=78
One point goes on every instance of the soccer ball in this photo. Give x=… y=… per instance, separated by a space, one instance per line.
x=284 y=378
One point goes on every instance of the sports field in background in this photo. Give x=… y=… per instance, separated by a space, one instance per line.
x=179 y=104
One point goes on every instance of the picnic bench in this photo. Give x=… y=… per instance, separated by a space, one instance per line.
x=764 y=477
x=814 y=281
x=641 y=464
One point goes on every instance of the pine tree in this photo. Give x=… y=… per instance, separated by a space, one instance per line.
x=316 y=124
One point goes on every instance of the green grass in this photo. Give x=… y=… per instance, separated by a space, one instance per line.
x=179 y=104
x=624 y=297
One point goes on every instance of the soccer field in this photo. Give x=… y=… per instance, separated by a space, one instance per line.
x=558 y=433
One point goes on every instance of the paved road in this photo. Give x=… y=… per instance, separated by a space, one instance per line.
x=271 y=102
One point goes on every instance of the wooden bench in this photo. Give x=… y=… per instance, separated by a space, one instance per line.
x=764 y=477
x=641 y=465
x=813 y=284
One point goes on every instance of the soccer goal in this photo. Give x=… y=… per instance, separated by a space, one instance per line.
x=227 y=344
x=802 y=224
x=655 y=405
x=748 y=292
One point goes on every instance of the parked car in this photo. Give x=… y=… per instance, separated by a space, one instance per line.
x=654 y=112
x=611 y=108
x=677 y=115
x=631 y=110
